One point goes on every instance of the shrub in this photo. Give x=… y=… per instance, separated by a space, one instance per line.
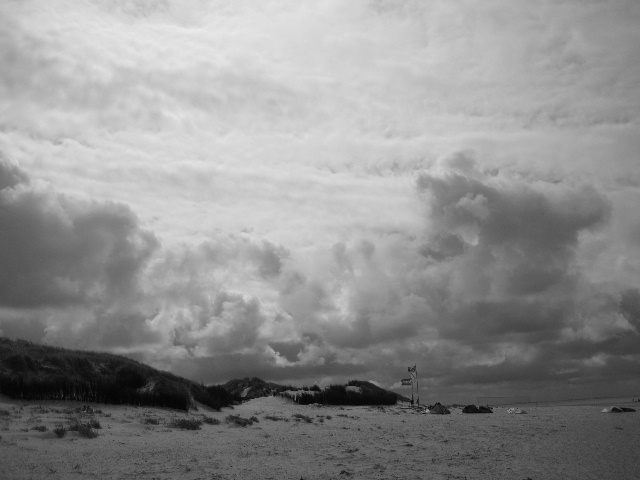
x=186 y=423
x=4 y=413
x=275 y=418
x=239 y=421
x=60 y=431
x=299 y=416
x=85 y=430
x=40 y=428
x=150 y=421
x=211 y=421
x=74 y=425
x=94 y=423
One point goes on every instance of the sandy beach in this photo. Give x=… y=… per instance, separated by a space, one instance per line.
x=289 y=441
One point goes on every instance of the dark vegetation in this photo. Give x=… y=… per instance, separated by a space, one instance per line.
x=298 y=417
x=211 y=421
x=186 y=423
x=29 y=371
x=241 y=421
x=369 y=394
x=249 y=388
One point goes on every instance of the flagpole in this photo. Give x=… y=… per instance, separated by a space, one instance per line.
x=412 y=392
x=417 y=384
x=413 y=381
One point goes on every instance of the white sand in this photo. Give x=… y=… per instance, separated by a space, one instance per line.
x=356 y=442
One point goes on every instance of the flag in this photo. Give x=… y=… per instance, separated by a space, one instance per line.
x=407 y=382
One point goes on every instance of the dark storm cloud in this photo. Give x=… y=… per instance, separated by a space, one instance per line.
x=60 y=251
x=508 y=248
x=511 y=302
x=488 y=322
x=531 y=228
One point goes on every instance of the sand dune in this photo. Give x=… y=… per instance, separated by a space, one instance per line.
x=321 y=443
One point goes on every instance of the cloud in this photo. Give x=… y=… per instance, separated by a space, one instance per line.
x=507 y=237
x=339 y=188
x=630 y=307
x=59 y=251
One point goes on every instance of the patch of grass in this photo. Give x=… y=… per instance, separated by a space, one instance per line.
x=240 y=421
x=85 y=430
x=60 y=431
x=150 y=421
x=94 y=423
x=211 y=421
x=4 y=413
x=275 y=418
x=74 y=424
x=300 y=417
x=186 y=423
x=40 y=428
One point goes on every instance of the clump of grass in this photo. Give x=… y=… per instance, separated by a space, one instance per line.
x=94 y=423
x=275 y=418
x=60 y=431
x=211 y=421
x=74 y=424
x=299 y=417
x=40 y=428
x=85 y=430
x=150 y=421
x=240 y=421
x=186 y=423
x=4 y=413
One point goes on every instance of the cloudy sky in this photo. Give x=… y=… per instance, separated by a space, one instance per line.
x=326 y=190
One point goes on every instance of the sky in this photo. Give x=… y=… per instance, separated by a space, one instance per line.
x=319 y=191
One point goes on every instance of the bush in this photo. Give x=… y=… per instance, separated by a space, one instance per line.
x=60 y=431
x=211 y=421
x=240 y=421
x=275 y=418
x=186 y=423
x=299 y=416
x=85 y=430
x=74 y=425
x=40 y=428
x=150 y=421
